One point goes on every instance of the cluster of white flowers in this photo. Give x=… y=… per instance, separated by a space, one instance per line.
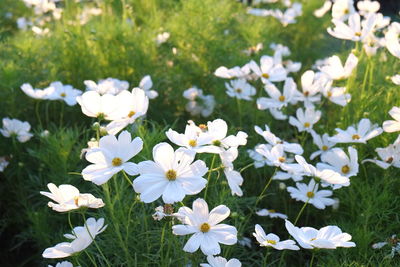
x=285 y=17
x=199 y=104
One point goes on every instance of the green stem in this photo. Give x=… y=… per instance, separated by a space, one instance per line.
x=127 y=178
x=240 y=111
x=265 y=188
x=312 y=259
x=301 y=211
x=37 y=114
x=62 y=113
x=209 y=175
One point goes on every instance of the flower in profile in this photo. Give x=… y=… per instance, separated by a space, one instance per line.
x=221 y=262
x=323 y=144
x=67 y=198
x=359 y=133
x=235 y=179
x=205 y=227
x=240 y=89
x=337 y=160
x=36 y=93
x=163 y=211
x=390 y=156
x=108 y=86
x=272 y=240
x=328 y=237
x=336 y=71
x=135 y=105
x=111 y=157
x=268 y=71
x=63 y=92
x=235 y=72
x=146 y=84
x=16 y=128
x=82 y=237
x=172 y=175
x=305 y=120
x=63 y=264
x=105 y=106
x=311 y=85
x=303 y=192
x=393 y=125
x=271 y=214
x=273 y=140
x=392 y=39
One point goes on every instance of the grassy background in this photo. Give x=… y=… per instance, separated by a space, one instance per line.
x=120 y=44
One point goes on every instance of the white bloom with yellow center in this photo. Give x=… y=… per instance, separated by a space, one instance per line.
x=108 y=86
x=305 y=120
x=67 y=198
x=272 y=240
x=205 y=227
x=37 y=93
x=328 y=237
x=277 y=99
x=334 y=69
x=356 y=30
x=303 y=192
x=172 y=175
x=63 y=92
x=323 y=144
x=111 y=157
x=268 y=71
x=359 y=133
x=193 y=138
x=240 y=89
x=221 y=262
x=273 y=140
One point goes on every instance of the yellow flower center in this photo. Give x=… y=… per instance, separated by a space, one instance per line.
x=312 y=239
x=358 y=34
x=192 y=143
x=307 y=124
x=272 y=242
x=282 y=159
x=117 y=162
x=265 y=75
x=345 y=169
x=171 y=175
x=310 y=194
x=238 y=90
x=324 y=148
x=205 y=227
x=389 y=160
x=329 y=94
x=203 y=127
x=76 y=201
x=271 y=211
x=63 y=94
x=306 y=93
x=346 y=11
x=216 y=143
x=355 y=137
x=131 y=114
x=282 y=98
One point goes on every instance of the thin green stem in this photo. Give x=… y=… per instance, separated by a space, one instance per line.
x=301 y=211
x=312 y=259
x=209 y=175
x=127 y=178
x=240 y=111
x=38 y=114
x=265 y=188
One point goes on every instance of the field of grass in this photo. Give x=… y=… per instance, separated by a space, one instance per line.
x=207 y=34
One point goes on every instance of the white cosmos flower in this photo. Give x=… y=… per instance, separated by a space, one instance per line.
x=221 y=262
x=63 y=92
x=291 y=171
x=205 y=227
x=234 y=178
x=289 y=15
x=162 y=38
x=342 y=9
x=359 y=133
x=268 y=71
x=271 y=214
x=320 y=12
x=82 y=237
x=303 y=192
x=199 y=104
x=323 y=144
x=393 y=125
x=328 y=237
x=311 y=85
x=172 y=175
x=259 y=160
x=390 y=156
x=105 y=106
x=336 y=71
x=277 y=99
x=108 y=86
x=63 y=264
x=3 y=163
x=17 y=128
x=67 y=198
x=273 y=140
x=355 y=30
x=277 y=114
x=337 y=160
x=395 y=79
x=392 y=39
x=146 y=84
x=135 y=105
x=368 y=6
x=235 y=72
x=337 y=95
x=305 y=120
x=111 y=157
x=240 y=89
x=36 y=93
x=275 y=156
x=272 y=240
x=193 y=138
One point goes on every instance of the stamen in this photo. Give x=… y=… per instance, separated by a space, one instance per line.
x=205 y=227
x=171 y=175
x=117 y=162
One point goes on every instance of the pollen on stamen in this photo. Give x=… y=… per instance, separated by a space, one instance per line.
x=265 y=75
x=116 y=162
x=307 y=124
x=329 y=94
x=282 y=159
x=324 y=148
x=271 y=211
x=389 y=160
x=345 y=169
x=192 y=143
x=272 y=242
x=205 y=227
x=238 y=90
x=310 y=194
x=306 y=93
x=171 y=175
x=131 y=114
x=216 y=143
x=76 y=201
x=355 y=137
x=282 y=98
x=63 y=94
